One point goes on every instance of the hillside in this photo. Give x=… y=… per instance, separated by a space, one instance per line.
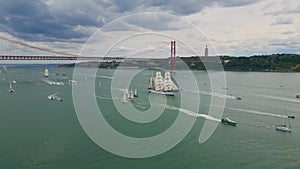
x=263 y=63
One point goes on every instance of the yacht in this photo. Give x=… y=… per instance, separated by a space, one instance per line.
x=284 y=127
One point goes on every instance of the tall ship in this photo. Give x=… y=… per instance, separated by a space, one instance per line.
x=162 y=85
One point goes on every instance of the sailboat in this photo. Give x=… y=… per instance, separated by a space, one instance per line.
x=46 y=72
x=284 y=127
x=10 y=88
x=161 y=85
x=135 y=93
x=130 y=95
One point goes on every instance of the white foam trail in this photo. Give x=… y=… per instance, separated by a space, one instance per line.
x=213 y=94
x=107 y=98
x=191 y=113
x=277 y=98
x=221 y=95
x=258 y=112
x=107 y=77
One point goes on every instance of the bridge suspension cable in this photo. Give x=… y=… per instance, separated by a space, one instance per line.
x=35 y=47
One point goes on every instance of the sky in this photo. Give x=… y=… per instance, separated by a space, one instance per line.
x=144 y=28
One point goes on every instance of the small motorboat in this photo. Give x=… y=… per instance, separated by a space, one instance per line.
x=51 y=97
x=238 y=98
x=227 y=121
x=291 y=117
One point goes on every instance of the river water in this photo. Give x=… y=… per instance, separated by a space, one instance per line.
x=36 y=132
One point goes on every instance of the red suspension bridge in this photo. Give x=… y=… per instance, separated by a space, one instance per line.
x=45 y=54
x=9 y=46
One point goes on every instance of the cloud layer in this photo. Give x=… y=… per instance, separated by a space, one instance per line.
x=231 y=24
x=56 y=20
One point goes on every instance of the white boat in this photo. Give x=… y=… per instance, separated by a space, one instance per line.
x=51 y=97
x=58 y=83
x=10 y=89
x=284 y=127
x=73 y=82
x=100 y=84
x=46 y=73
x=161 y=85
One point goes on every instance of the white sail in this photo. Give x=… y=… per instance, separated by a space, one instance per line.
x=135 y=92
x=46 y=73
x=159 y=82
x=10 y=88
x=167 y=82
x=126 y=90
x=151 y=82
x=14 y=81
x=124 y=97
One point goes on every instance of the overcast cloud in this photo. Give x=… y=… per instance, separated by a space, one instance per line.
x=77 y=20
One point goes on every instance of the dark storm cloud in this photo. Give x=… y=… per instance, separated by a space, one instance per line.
x=56 y=20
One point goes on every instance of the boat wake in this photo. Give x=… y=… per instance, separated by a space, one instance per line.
x=258 y=112
x=214 y=94
x=277 y=98
x=105 y=77
x=222 y=95
x=191 y=113
x=107 y=98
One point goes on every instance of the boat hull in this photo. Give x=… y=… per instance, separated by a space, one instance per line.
x=163 y=92
x=283 y=129
x=228 y=122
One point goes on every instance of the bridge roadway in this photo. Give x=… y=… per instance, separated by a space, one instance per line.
x=53 y=58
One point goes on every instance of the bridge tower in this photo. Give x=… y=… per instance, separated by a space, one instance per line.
x=173 y=56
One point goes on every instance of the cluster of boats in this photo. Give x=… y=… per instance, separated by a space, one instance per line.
x=280 y=127
x=55 y=97
x=159 y=85
x=53 y=82
x=129 y=94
